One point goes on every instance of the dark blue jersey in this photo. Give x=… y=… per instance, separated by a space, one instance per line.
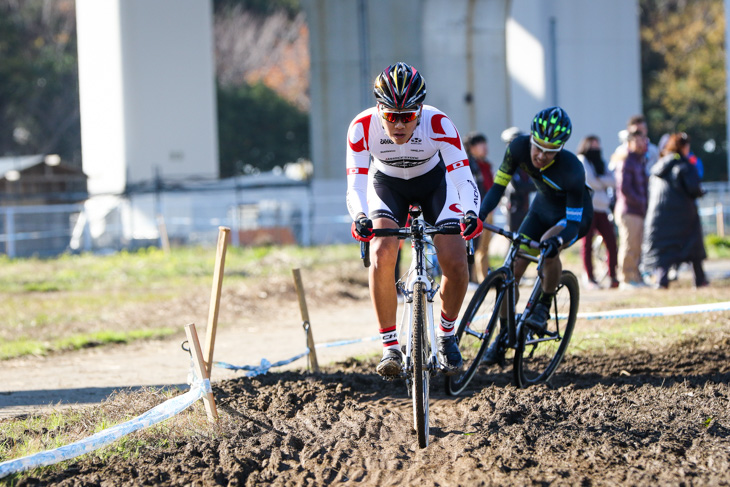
x=562 y=184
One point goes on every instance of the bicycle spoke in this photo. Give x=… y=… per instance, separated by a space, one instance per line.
x=542 y=350
x=476 y=329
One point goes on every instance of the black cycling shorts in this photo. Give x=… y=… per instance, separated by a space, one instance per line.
x=545 y=213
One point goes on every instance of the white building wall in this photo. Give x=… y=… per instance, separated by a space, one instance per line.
x=147 y=88
x=489 y=64
x=464 y=64
x=350 y=43
x=583 y=55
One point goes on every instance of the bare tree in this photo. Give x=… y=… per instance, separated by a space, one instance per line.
x=271 y=49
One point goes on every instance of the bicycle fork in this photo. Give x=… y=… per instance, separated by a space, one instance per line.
x=417 y=274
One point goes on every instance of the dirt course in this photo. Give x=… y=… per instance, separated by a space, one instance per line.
x=627 y=416
x=660 y=418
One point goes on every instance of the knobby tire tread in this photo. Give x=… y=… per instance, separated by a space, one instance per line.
x=568 y=283
x=456 y=384
x=420 y=404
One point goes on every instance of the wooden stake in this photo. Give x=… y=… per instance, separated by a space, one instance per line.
x=313 y=365
x=164 y=239
x=215 y=297
x=720 y=220
x=197 y=355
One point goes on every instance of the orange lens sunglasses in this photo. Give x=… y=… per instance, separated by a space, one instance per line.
x=404 y=117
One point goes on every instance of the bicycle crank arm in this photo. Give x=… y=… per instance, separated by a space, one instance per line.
x=546 y=339
x=473 y=333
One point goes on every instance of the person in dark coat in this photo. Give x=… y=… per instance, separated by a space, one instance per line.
x=673 y=231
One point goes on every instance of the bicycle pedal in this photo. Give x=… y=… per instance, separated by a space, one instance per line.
x=448 y=371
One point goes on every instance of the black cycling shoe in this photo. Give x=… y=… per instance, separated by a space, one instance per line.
x=391 y=364
x=538 y=318
x=449 y=354
x=494 y=354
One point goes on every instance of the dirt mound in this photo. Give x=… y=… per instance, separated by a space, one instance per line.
x=628 y=417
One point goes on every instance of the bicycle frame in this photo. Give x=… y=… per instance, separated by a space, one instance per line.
x=533 y=361
x=516 y=320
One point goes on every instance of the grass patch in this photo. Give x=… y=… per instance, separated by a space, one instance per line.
x=149 y=266
x=76 y=301
x=637 y=332
x=717 y=247
x=649 y=333
x=21 y=347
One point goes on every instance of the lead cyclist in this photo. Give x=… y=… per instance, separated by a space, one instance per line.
x=399 y=153
x=560 y=214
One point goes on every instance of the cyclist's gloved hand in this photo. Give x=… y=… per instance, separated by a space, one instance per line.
x=362 y=229
x=471 y=225
x=552 y=246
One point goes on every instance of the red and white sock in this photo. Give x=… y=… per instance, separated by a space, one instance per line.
x=389 y=338
x=446 y=328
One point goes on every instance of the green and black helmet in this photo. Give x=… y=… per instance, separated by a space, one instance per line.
x=400 y=87
x=551 y=126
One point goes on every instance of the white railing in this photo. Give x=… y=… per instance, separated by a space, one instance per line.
x=280 y=215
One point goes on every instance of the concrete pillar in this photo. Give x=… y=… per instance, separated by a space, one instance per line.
x=465 y=64
x=341 y=34
x=147 y=91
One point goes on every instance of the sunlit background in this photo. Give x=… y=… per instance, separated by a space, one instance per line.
x=166 y=119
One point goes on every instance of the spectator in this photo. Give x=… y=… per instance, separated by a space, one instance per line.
x=693 y=159
x=636 y=123
x=631 y=196
x=477 y=148
x=673 y=232
x=600 y=179
x=519 y=188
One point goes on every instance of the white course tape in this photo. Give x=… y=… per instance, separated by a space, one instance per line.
x=155 y=415
x=649 y=312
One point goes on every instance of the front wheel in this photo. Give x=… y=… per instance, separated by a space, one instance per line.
x=477 y=328
x=421 y=375
x=538 y=354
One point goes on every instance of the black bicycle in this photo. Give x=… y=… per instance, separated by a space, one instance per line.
x=537 y=351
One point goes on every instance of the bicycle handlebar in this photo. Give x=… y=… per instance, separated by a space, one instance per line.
x=513 y=236
x=405 y=232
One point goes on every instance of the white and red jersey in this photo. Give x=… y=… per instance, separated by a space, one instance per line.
x=435 y=140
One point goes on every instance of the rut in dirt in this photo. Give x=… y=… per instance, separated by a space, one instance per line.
x=634 y=417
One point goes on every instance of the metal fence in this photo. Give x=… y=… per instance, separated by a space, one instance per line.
x=301 y=215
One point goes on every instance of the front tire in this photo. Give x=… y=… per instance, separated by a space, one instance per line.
x=421 y=375
x=537 y=357
x=477 y=328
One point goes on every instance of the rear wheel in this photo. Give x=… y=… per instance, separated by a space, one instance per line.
x=539 y=353
x=477 y=328
x=421 y=375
